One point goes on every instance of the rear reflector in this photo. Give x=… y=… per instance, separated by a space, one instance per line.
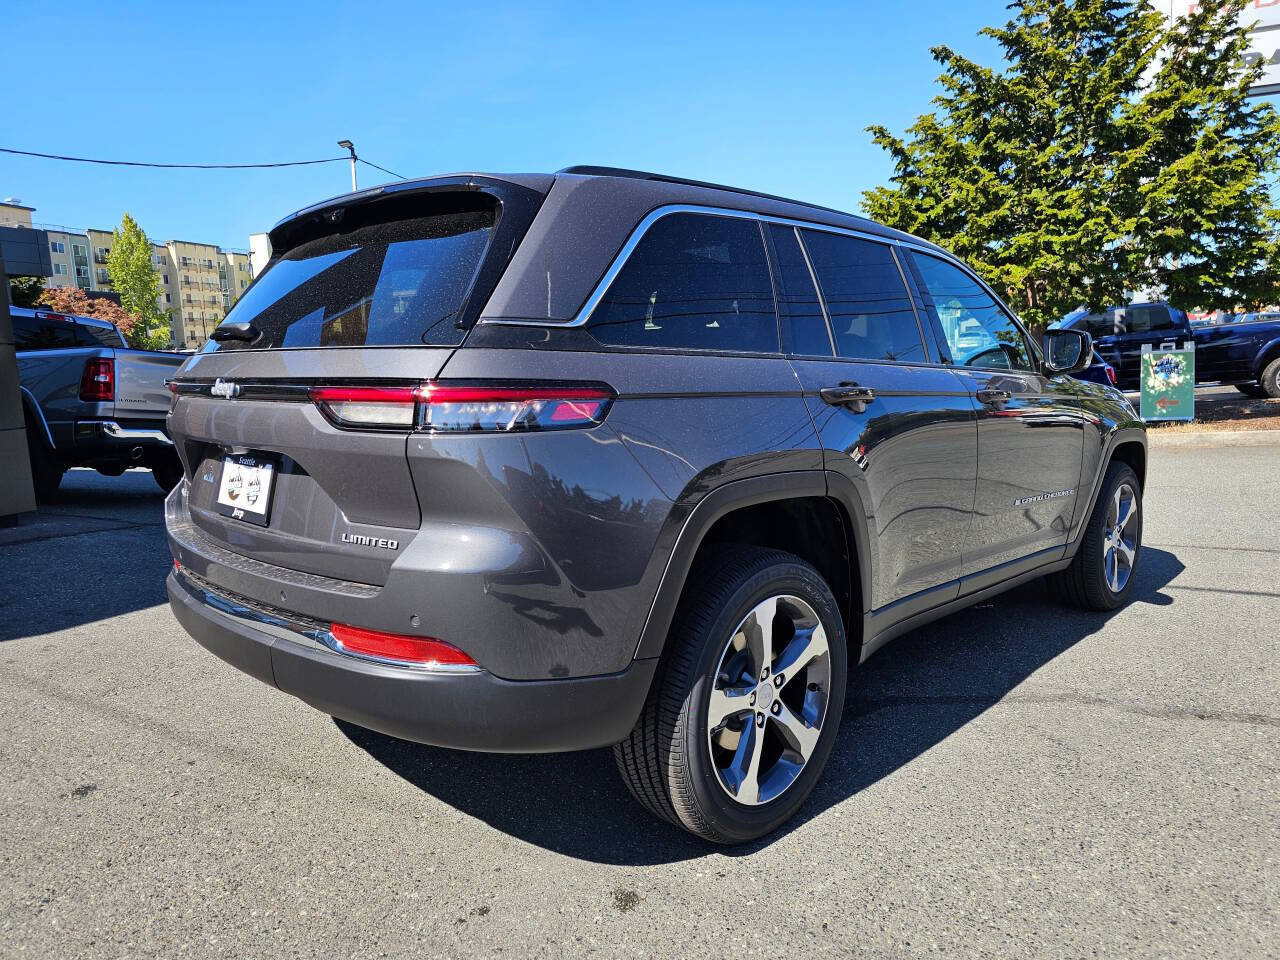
x=1111 y=374
x=423 y=651
x=98 y=382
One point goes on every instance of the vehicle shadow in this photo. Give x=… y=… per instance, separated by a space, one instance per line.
x=97 y=551
x=919 y=690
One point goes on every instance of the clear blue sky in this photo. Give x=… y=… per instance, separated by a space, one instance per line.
x=770 y=96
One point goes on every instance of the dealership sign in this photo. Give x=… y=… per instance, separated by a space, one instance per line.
x=1262 y=18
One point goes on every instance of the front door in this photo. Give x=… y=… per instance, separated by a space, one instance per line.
x=892 y=421
x=1030 y=426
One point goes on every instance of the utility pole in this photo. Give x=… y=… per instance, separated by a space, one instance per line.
x=351 y=148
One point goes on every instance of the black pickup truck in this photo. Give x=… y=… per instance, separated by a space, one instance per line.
x=1246 y=355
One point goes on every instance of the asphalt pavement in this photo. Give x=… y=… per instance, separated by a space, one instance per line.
x=1020 y=779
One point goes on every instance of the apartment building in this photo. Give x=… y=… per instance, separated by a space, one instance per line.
x=198 y=281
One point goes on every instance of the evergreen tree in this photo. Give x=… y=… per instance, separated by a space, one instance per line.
x=1109 y=153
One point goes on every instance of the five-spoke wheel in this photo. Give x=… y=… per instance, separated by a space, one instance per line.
x=742 y=716
x=769 y=699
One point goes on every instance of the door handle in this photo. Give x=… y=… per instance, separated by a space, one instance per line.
x=994 y=396
x=847 y=393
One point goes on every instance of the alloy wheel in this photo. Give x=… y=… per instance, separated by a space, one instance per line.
x=769 y=700
x=1119 y=545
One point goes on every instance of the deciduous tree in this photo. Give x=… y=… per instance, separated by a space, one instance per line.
x=130 y=269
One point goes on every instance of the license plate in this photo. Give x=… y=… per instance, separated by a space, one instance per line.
x=244 y=492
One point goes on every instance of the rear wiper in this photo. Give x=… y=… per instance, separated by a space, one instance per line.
x=243 y=330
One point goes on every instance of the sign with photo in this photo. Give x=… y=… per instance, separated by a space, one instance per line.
x=1169 y=383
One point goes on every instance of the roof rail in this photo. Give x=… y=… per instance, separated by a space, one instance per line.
x=587 y=170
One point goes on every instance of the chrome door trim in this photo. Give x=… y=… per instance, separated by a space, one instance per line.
x=620 y=260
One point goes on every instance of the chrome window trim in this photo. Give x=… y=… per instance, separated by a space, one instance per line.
x=652 y=217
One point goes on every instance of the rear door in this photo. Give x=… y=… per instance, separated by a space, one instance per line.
x=1030 y=426
x=369 y=296
x=892 y=421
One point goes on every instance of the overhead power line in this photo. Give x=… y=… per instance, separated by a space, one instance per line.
x=383 y=169
x=175 y=166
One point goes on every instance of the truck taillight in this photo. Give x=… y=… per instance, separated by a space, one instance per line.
x=438 y=407
x=98 y=382
x=1111 y=374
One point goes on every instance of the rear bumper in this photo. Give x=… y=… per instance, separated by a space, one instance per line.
x=465 y=710
x=109 y=440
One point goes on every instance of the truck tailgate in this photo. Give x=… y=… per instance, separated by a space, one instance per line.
x=140 y=378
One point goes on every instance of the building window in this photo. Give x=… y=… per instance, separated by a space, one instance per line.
x=103 y=277
x=57 y=246
x=79 y=249
x=166 y=278
x=168 y=299
x=60 y=269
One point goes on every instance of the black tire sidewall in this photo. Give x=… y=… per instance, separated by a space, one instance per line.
x=729 y=819
x=1270 y=379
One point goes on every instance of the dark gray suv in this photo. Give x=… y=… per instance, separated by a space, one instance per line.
x=535 y=463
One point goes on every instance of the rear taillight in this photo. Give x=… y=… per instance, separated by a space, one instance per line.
x=377 y=408
x=420 y=651
x=465 y=408
x=98 y=383
x=1111 y=374
x=448 y=408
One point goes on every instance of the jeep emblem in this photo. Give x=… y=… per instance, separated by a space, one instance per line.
x=225 y=388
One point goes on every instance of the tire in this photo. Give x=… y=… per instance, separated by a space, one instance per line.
x=1094 y=581
x=167 y=473
x=46 y=472
x=1270 y=379
x=669 y=762
x=1252 y=390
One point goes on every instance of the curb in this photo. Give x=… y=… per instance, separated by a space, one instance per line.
x=1215 y=438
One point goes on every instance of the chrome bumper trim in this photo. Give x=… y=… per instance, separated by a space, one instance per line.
x=117 y=432
x=294 y=626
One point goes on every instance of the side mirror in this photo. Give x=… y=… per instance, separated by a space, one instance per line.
x=1067 y=351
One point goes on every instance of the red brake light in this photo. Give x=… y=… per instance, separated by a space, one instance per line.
x=424 y=651
x=464 y=408
x=1111 y=374
x=98 y=383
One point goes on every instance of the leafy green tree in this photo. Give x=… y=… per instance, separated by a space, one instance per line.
x=129 y=266
x=1110 y=152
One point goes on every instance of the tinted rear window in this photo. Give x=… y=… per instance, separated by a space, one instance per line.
x=399 y=283
x=871 y=313
x=90 y=335
x=30 y=333
x=694 y=282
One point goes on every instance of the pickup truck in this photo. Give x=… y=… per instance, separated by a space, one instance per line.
x=1245 y=355
x=91 y=401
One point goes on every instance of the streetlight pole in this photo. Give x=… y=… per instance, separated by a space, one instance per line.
x=351 y=148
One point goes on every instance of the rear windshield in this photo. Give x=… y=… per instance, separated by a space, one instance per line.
x=384 y=284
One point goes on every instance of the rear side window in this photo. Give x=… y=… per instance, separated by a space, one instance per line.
x=693 y=282
x=871 y=313
x=91 y=335
x=1146 y=318
x=399 y=283
x=31 y=333
x=798 y=302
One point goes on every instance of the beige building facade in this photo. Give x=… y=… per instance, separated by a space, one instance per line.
x=198 y=281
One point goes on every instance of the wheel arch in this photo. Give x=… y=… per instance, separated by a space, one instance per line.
x=36 y=418
x=791 y=511
x=1268 y=353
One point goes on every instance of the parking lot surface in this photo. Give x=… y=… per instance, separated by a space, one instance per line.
x=1019 y=779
